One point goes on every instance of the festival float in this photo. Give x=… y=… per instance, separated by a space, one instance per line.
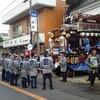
x=78 y=35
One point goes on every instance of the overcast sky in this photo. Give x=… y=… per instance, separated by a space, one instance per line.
x=4 y=5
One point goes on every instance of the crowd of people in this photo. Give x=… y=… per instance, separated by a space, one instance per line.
x=26 y=67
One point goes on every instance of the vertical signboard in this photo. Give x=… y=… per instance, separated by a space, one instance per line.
x=33 y=21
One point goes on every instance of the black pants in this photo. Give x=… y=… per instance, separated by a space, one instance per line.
x=12 y=79
x=24 y=82
x=92 y=78
x=33 y=81
x=3 y=74
x=64 y=75
x=15 y=79
x=49 y=76
x=99 y=73
x=57 y=71
x=8 y=75
x=28 y=80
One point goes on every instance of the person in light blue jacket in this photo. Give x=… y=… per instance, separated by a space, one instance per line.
x=63 y=66
x=85 y=44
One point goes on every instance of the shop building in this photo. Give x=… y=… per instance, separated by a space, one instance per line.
x=50 y=14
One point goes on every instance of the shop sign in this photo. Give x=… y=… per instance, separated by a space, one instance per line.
x=34 y=21
x=27 y=52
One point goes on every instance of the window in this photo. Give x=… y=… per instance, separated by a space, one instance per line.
x=17 y=31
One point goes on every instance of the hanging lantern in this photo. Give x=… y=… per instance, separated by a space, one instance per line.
x=96 y=34
x=92 y=34
x=87 y=34
x=71 y=32
x=51 y=35
x=83 y=33
x=63 y=33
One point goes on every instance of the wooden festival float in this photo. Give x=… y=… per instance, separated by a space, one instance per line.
x=73 y=29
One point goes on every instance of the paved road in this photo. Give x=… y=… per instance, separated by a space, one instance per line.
x=62 y=91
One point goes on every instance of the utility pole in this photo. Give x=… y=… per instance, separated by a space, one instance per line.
x=30 y=32
x=30 y=9
x=38 y=44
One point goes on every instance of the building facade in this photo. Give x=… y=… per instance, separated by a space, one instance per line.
x=50 y=14
x=91 y=7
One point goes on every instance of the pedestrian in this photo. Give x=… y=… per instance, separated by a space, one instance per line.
x=99 y=69
x=37 y=57
x=63 y=66
x=57 y=67
x=16 y=70
x=27 y=64
x=8 y=67
x=85 y=44
x=11 y=70
x=33 y=71
x=93 y=61
x=23 y=67
x=3 y=61
x=47 y=65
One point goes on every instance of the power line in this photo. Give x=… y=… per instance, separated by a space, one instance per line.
x=8 y=6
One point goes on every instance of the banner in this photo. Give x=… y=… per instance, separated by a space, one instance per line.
x=78 y=67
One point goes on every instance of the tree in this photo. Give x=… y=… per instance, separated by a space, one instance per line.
x=1 y=39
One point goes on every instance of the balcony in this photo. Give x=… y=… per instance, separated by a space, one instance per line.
x=23 y=10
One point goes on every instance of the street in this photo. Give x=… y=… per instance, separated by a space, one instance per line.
x=62 y=91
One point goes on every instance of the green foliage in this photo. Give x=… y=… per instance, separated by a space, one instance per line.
x=1 y=39
x=73 y=3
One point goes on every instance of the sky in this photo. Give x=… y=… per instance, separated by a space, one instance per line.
x=6 y=6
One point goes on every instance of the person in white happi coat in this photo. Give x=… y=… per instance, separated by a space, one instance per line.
x=33 y=71
x=3 y=62
x=24 y=68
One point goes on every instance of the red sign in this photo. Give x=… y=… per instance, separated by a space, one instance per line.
x=27 y=52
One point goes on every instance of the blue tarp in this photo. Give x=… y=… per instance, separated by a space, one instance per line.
x=78 y=67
